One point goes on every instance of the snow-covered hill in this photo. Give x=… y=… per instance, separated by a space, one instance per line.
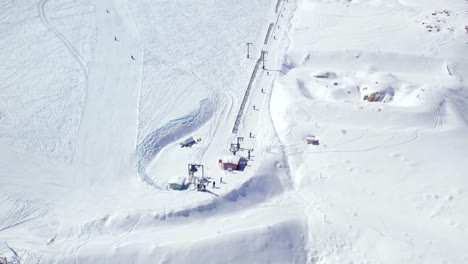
x=95 y=98
x=386 y=98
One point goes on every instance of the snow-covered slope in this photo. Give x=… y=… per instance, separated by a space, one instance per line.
x=43 y=74
x=386 y=98
x=96 y=97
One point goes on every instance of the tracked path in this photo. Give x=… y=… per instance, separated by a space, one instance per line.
x=68 y=45
x=108 y=129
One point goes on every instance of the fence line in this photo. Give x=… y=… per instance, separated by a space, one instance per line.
x=270 y=28
x=254 y=73
x=277 y=6
x=246 y=97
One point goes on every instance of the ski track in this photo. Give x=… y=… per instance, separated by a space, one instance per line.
x=207 y=134
x=378 y=146
x=182 y=66
x=167 y=105
x=440 y=122
x=172 y=131
x=68 y=45
x=20 y=212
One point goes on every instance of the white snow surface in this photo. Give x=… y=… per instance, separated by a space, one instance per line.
x=96 y=97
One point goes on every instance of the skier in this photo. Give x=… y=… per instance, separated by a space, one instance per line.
x=132 y=57
x=115 y=38
x=107 y=11
x=221 y=180
x=262 y=90
x=214 y=183
x=254 y=107
x=250 y=134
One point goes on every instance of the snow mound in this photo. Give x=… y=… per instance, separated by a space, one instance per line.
x=377 y=87
x=367 y=86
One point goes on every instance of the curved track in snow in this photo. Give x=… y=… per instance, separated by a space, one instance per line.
x=68 y=45
x=169 y=133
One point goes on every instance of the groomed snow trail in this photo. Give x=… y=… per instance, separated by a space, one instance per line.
x=108 y=129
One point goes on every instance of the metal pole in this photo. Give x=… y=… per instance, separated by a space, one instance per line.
x=190 y=176
x=248 y=50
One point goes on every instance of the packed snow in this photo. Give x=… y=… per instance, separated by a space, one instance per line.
x=352 y=128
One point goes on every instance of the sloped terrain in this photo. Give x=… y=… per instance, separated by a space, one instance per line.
x=385 y=180
x=97 y=97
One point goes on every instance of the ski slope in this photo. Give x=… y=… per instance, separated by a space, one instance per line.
x=95 y=98
x=386 y=183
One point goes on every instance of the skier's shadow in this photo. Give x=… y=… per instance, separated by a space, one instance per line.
x=208 y=191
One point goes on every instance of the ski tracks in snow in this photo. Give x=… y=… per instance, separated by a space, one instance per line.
x=68 y=45
x=440 y=122
x=20 y=211
x=176 y=64
x=218 y=104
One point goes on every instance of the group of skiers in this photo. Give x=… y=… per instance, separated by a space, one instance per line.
x=115 y=37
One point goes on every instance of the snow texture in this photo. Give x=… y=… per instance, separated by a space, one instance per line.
x=96 y=97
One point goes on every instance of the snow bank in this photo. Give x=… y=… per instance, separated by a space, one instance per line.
x=173 y=131
x=246 y=245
